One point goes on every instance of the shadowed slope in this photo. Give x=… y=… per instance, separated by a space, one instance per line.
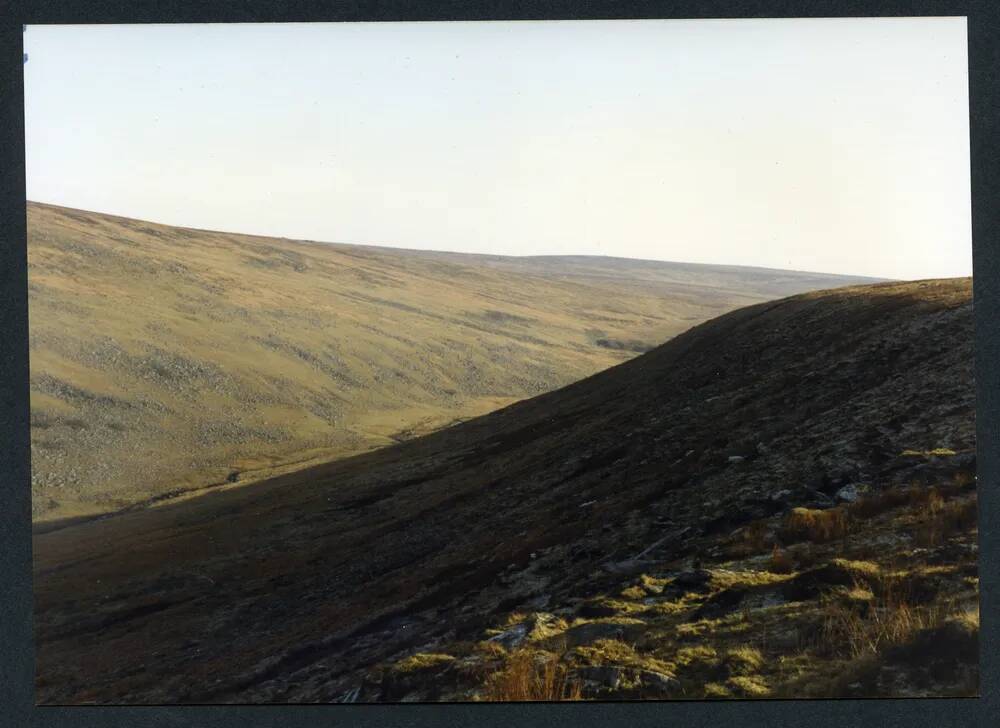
x=296 y=588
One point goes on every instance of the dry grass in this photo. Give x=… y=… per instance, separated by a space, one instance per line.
x=941 y=520
x=876 y=615
x=781 y=561
x=753 y=538
x=886 y=500
x=422 y=661
x=744 y=660
x=531 y=676
x=818 y=526
x=930 y=505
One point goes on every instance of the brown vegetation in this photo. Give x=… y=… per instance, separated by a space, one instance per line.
x=530 y=676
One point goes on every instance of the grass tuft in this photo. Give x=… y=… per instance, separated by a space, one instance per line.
x=817 y=526
x=530 y=676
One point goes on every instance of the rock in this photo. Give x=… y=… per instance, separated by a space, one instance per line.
x=585 y=634
x=694 y=580
x=536 y=627
x=658 y=681
x=810 y=584
x=607 y=676
x=734 y=459
x=852 y=493
x=539 y=602
x=628 y=566
x=351 y=696
x=596 y=609
x=512 y=637
x=721 y=604
x=802 y=498
x=809 y=498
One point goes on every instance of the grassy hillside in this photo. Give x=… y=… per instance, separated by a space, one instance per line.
x=780 y=502
x=166 y=359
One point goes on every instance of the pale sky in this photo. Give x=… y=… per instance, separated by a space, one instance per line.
x=837 y=145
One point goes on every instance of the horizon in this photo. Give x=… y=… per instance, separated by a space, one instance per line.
x=832 y=146
x=345 y=243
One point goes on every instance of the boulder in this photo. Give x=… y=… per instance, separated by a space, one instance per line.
x=536 y=627
x=658 y=682
x=852 y=493
x=721 y=604
x=596 y=608
x=586 y=634
x=839 y=572
x=802 y=498
x=512 y=637
x=608 y=676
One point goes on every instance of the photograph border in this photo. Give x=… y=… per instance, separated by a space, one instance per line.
x=17 y=698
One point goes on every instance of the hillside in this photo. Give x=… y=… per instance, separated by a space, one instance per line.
x=779 y=502
x=166 y=359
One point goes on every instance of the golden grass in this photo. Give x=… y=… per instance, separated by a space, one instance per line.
x=744 y=660
x=422 y=661
x=531 y=676
x=878 y=613
x=930 y=505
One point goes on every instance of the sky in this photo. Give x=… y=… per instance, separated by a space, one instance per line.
x=832 y=145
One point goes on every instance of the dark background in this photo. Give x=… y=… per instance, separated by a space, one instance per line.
x=16 y=652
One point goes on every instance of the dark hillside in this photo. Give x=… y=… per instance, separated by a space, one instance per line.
x=699 y=521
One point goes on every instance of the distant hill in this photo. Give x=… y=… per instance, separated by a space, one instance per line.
x=165 y=359
x=780 y=502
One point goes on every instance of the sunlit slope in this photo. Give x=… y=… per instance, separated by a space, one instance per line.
x=165 y=358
